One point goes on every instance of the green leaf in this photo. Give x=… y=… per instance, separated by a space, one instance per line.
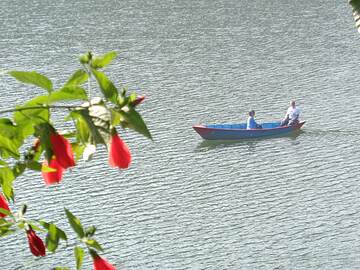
x=6 y=180
x=356 y=12
x=93 y=130
x=132 y=97
x=60 y=268
x=107 y=87
x=135 y=121
x=34 y=165
x=78 y=149
x=79 y=77
x=75 y=224
x=8 y=148
x=3 y=163
x=10 y=138
x=90 y=231
x=83 y=132
x=8 y=129
x=18 y=169
x=79 y=257
x=115 y=118
x=34 y=78
x=5 y=212
x=71 y=92
x=42 y=131
x=355 y=4
x=52 y=238
x=28 y=115
x=37 y=166
x=103 y=60
x=6 y=228
x=34 y=226
x=60 y=232
x=94 y=244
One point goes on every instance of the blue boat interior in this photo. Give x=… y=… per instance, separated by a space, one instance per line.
x=243 y=125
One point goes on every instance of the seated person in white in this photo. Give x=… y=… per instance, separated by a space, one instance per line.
x=292 y=115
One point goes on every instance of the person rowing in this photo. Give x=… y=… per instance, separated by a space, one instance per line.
x=292 y=115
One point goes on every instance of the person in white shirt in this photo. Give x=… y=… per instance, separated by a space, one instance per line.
x=292 y=115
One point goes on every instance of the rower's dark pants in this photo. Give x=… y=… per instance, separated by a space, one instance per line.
x=289 y=122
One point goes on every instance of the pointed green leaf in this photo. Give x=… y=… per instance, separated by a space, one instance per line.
x=5 y=212
x=30 y=114
x=60 y=232
x=135 y=121
x=78 y=149
x=115 y=118
x=18 y=169
x=93 y=130
x=355 y=4
x=71 y=92
x=37 y=166
x=83 y=132
x=79 y=77
x=94 y=244
x=79 y=257
x=356 y=12
x=35 y=226
x=42 y=131
x=34 y=165
x=90 y=231
x=8 y=148
x=75 y=224
x=103 y=60
x=34 y=78
x=6 y=180
x=3 y=163
x=52 y=238
x=107 y=87
x=8 y=129
x=60 y=268
x=6 y=228
x=11 y=137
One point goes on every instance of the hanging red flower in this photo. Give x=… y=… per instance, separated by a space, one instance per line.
x=52 y=178
x=119 y=155
x=102 y=264
x=4 y=205
x=62 y=150
x=36 y=245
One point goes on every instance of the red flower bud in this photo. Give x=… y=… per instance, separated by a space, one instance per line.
x=4 y=205
x=138 y=100
x=36 y=145
x=62 y=150
x=51 y=178
x=102 y=264
x=36 y=245
x=119 y=155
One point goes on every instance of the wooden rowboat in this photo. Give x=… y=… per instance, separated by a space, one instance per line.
x=239 y=131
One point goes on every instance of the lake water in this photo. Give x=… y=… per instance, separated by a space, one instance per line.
x=281 y=203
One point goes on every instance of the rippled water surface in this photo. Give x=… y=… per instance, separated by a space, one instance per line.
x=281 y=203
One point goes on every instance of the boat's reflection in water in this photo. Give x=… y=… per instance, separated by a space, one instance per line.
x=250 y=143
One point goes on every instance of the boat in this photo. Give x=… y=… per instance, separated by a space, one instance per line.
x=239 y=131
